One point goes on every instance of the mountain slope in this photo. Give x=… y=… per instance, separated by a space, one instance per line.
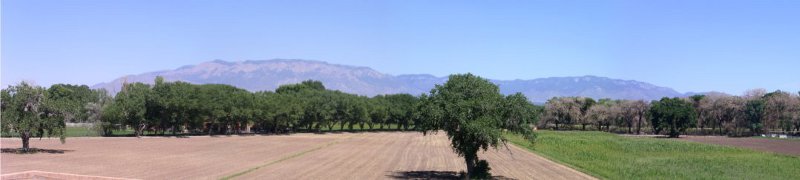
x=269 y=74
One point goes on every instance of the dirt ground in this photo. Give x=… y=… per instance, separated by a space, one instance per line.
x=380 y=155
x=788 y=147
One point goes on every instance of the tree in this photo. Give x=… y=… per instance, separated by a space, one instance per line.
x=379 y=111
x=703 y=106
x=719 y=115
x=754 y=109
x=674 y=114
x=582 y=116
x=132 y=106
x=628 y=114
x=469 y=110
x=605 y=113
x=733 y=114
x=359 y=113
x=401 y=109
x=71 y=99
x=561 y=111
x=95 y=111
x=29 y=112
x=635 y=113
x=518 y=114
x=305 y=85
x=779 y=107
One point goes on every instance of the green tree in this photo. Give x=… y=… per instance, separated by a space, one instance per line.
x=470 y=110
x=305 y=85
x=673 y=114
x=29 y=112
x=95 y=111
x=72 y=99
x=378 y=111
x=358 y=112
x=401 y=109
x=132 y=106
x=519 y=114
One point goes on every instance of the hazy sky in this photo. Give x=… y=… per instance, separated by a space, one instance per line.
x=690 y=45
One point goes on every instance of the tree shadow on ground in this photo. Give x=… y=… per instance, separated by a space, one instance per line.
x=34 y=151
x=432 y=175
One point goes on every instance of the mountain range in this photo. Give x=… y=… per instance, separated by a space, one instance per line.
x=269 y=74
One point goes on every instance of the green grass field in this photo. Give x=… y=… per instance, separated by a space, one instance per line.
x=609 y=156
x=82 y=132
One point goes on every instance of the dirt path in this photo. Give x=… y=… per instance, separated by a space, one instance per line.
x=382 y=155
x=788 y=147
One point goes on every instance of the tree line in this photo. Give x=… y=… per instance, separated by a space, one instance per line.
x=172 y=108
x=468 y=108
x=184 y=108
x=755 y=112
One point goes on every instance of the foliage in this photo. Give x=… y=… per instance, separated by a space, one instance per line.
x=673 y=114
x=754 y=109
x=31 y=112
x=469 y=109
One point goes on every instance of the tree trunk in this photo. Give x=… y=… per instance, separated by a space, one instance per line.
x=713 y=127
x=639 y=126
x=140 y=130
x=470 y=165
x=26 y=138
x=583 y=128
x=630 y=126
x=209 y=129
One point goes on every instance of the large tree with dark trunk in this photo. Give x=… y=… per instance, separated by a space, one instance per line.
x=28 y=112
x=471 y=111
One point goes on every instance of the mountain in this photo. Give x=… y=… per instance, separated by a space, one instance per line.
x=269 y=74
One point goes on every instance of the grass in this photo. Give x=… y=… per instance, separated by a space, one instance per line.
x=87 y=132
x=609 y=156
x=82 y=132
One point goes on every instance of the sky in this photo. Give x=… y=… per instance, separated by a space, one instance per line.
x=688 y=45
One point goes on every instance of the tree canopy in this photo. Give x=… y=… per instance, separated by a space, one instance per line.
x=471 y=111
x=31 y=111
x=673 y=114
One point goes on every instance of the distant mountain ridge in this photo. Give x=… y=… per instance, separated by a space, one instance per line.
x=269 y=74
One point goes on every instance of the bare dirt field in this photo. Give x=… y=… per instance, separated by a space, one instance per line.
x=787 y=147
x=380 y=155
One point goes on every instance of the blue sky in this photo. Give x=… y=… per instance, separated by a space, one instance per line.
x=688 y=45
